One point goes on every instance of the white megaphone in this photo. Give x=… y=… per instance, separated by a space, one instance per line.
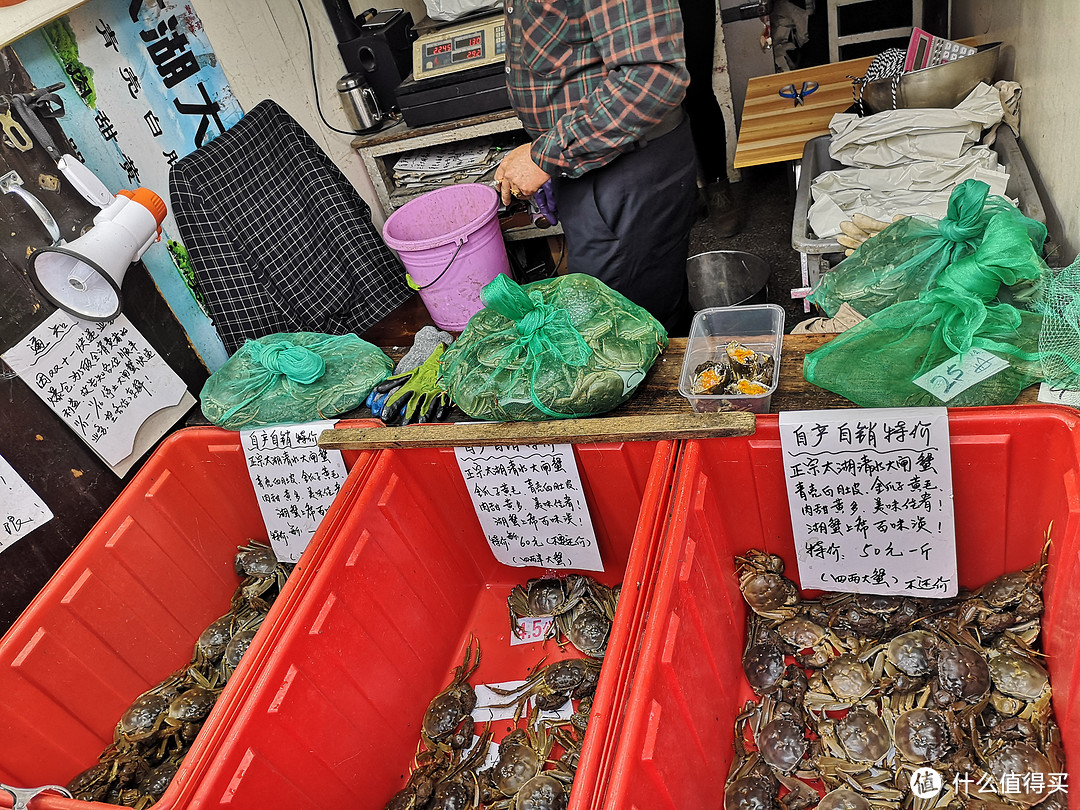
x=83 y=277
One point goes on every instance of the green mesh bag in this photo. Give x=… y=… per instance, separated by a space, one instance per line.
x=905 y=258
x=875 y=362
x=1059 y=341
x=553 y=349
x=292 y=377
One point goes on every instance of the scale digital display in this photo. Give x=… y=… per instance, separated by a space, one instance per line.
x=455 y=51
x=459 y=47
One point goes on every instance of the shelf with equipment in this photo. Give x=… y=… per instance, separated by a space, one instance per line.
x=381 y=150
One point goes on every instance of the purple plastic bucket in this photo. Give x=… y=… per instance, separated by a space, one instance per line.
x=451 y=245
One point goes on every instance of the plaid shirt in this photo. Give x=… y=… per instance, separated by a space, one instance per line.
x=589 y=77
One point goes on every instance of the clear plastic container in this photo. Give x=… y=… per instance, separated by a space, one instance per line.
x=759 y=327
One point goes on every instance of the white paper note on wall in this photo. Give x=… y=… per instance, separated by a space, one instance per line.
x=103 y=379
x=530 y=504
x=21 y=510
x=870 y=494
x=295 y=482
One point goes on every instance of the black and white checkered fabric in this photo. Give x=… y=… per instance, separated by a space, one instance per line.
x=889 y=64
x=279 y=239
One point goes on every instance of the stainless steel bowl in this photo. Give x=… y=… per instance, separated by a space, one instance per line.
x=726 y=278
x=942 y=86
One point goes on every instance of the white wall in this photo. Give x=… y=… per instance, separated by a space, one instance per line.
x=1043 y=36
x=263 y=49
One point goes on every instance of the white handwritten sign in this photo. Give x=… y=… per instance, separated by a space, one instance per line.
x=489 y=704
x=295 y=482
x=1058 y=396
x=531 y=505
x=103 y=379
x=957 y=374
x=870 y=494
x=21 y=510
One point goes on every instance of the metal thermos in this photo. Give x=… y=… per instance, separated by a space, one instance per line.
x=360 y=104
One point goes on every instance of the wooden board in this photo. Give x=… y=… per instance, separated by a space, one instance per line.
x=562 y=431
x=659 y=392
x=774 y=129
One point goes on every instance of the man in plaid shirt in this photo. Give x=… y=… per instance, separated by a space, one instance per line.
x=598 y=85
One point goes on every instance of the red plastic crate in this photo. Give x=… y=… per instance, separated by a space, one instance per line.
x=125 y=609
x=334 y=720
x=1015 y=469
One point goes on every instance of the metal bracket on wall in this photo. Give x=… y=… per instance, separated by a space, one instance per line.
x=11 y=183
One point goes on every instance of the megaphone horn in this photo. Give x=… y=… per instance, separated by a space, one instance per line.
x=84 y=277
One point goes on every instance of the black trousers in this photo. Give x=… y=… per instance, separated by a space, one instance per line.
x=706 y=117
x=628 y=224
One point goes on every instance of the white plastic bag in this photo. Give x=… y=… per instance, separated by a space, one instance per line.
x=449 y=10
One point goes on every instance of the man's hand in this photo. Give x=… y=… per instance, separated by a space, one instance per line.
x=518 y=176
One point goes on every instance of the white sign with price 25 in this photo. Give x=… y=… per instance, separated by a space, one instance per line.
x=959 y=373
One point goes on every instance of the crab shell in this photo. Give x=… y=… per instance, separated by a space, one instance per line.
x=764 y=667
x=913 y=653
x=753 y=792
x=922 y=735
x=1021 y=758
x=843 y=799
x=782 y=744
x=962 y=672
x=864 y=735
x=1017 y=677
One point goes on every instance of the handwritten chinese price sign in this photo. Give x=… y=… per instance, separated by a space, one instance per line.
x=21 y=510
x=530 y=505
x=103 y=379
x=295 y=482
x=870 y=493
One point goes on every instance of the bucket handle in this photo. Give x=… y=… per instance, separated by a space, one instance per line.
x=414 y=286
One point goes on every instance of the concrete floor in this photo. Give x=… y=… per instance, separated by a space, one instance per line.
x=767 y=195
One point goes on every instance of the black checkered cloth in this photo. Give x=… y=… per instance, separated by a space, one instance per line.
x=279 y=239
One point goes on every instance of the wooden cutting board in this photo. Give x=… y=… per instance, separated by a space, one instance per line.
x=775 y=129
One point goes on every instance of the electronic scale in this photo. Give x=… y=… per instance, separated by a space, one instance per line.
x=458 y=71
x=458 y=47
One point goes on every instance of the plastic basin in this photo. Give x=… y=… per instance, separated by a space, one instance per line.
x=125 y=609
x=409 y=579
x=1015 y=470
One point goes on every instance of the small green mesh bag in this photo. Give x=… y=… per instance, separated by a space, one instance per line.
x=553 y=349
x=905 y=258
x=292 y=377
x=1059 y=341
x=977 y=301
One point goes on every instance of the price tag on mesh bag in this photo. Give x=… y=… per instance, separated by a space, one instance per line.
x=871 y=500
x=531 y=505
x=959 y=373
x=1058 y=396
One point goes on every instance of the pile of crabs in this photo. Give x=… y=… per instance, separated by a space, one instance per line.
x=536 y=762
x=859 y=696
x=156 y=732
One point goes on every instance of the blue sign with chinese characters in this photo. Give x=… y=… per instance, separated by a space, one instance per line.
x=144 y=89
